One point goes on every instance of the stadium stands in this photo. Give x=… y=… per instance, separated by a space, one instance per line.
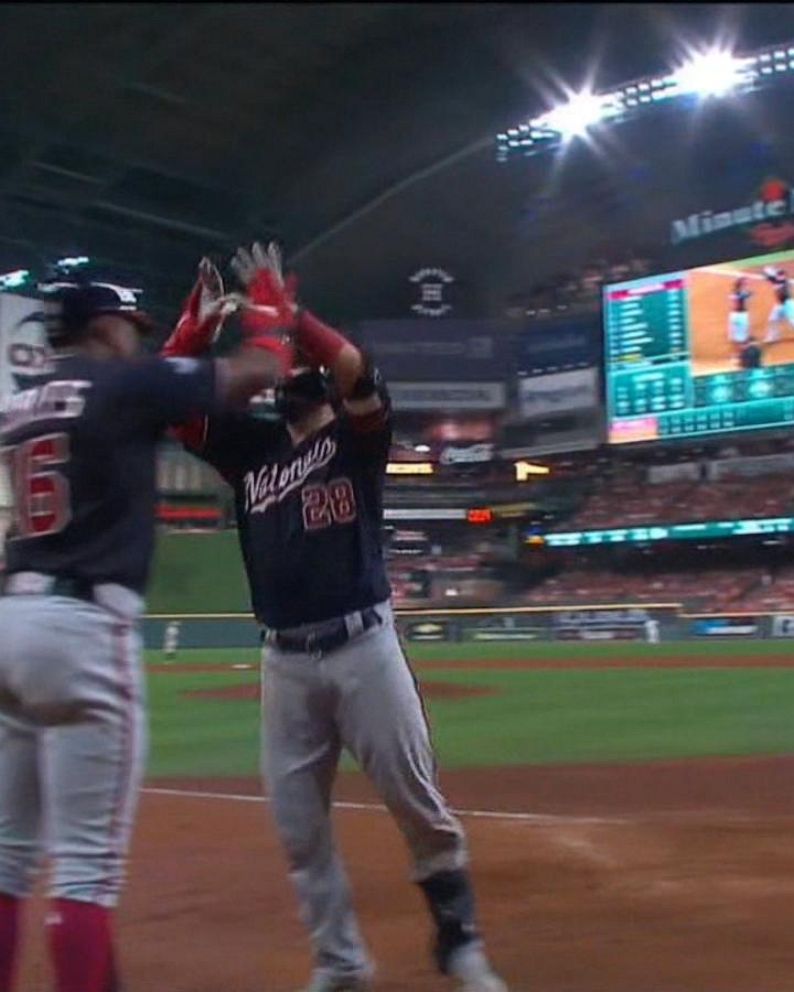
x=773 y=593
x=713 y=589
x=625 y=502
x=580 y=288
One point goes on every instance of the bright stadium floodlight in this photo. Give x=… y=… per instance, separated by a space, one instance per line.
x=712 y=73
x=15 y=279
x=72 y=263
x=706 y=73
x=574 y=117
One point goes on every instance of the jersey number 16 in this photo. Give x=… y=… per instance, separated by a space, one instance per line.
x=40 y=494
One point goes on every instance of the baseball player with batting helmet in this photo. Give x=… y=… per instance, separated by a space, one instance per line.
x=309 y=494
x=783 y=310
x=79 y=445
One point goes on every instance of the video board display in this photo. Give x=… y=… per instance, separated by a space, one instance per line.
x=707 y=530
x=701 y=351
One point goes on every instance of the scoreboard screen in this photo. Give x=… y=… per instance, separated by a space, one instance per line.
x=701 y=351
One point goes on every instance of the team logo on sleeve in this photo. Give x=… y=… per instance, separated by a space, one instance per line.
x=272 y=483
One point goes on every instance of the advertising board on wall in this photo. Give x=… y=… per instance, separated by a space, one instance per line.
x=446 y=350
x=752 y=466
x=23 y=349
x=682 y=472
x=427 y=630
x=783 y=626
x=767 y=217
x=467 y=454
x=726 y=627
x=633 y=617
x=551 y=395
x=558 y=345
x=598 y=633
x=504 y=628
x=448 y=395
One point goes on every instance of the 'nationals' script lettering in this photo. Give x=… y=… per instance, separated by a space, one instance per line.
x=272 y=483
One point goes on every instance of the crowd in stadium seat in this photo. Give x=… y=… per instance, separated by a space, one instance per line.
x=720 y=590
x=579 y=288
x=716 y=590
x=625 y=503
x=454 y=579
x=774 y=593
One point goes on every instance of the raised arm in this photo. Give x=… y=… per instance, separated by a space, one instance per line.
x=262 y=361
x=260 y=270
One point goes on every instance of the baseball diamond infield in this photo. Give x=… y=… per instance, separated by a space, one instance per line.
x=593 y=876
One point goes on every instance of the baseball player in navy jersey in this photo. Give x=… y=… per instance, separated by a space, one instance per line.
x=783 y=310
x=309 y=493
x=79 y=447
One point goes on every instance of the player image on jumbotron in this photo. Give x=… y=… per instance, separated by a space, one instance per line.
x=701 y=351
x=734 y=302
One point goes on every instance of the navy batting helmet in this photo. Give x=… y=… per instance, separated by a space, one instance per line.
x=75 y=304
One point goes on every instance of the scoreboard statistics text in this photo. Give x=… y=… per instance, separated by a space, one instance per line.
x=701 y=351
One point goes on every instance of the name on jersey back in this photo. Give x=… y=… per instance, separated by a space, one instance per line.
x=61 y=399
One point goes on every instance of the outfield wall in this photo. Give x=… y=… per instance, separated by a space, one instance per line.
x=588 y=624
x=194 y=569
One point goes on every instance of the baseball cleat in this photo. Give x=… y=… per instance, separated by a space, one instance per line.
x=327 y=983
x=474 y=972
x=484 y=983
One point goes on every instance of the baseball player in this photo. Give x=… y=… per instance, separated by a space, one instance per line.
x=783 y=309
x=309 y=493
x=79 y=446
x=171 y=639
x=652 y=630
x=739 y=318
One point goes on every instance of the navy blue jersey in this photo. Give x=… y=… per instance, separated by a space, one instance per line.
x=79 y=447
x=739 y=300
x=309 y=516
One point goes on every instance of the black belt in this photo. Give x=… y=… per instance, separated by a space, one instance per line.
x=71 y=588
x=326 y=637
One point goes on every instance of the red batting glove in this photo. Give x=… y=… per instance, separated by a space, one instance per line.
x=269 y=308
x=202 y=315
x=271 y=305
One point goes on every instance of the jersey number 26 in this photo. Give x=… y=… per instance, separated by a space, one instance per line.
x=41 y=494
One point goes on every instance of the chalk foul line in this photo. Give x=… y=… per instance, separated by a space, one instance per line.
x=474 y=814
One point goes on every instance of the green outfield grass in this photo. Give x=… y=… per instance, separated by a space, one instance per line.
x=533 y=716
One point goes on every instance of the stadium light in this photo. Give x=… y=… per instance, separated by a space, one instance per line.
x=524 y=470
x=409 y=468
x=576 y=116
x=12 y=280
x=422 y=449
x=73 y=263
x=712 y=73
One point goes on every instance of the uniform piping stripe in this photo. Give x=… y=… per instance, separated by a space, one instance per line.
x=423 y=707
x=120 y=802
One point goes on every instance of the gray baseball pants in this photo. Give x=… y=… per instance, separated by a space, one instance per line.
x=72 y=745
x=362 y=697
